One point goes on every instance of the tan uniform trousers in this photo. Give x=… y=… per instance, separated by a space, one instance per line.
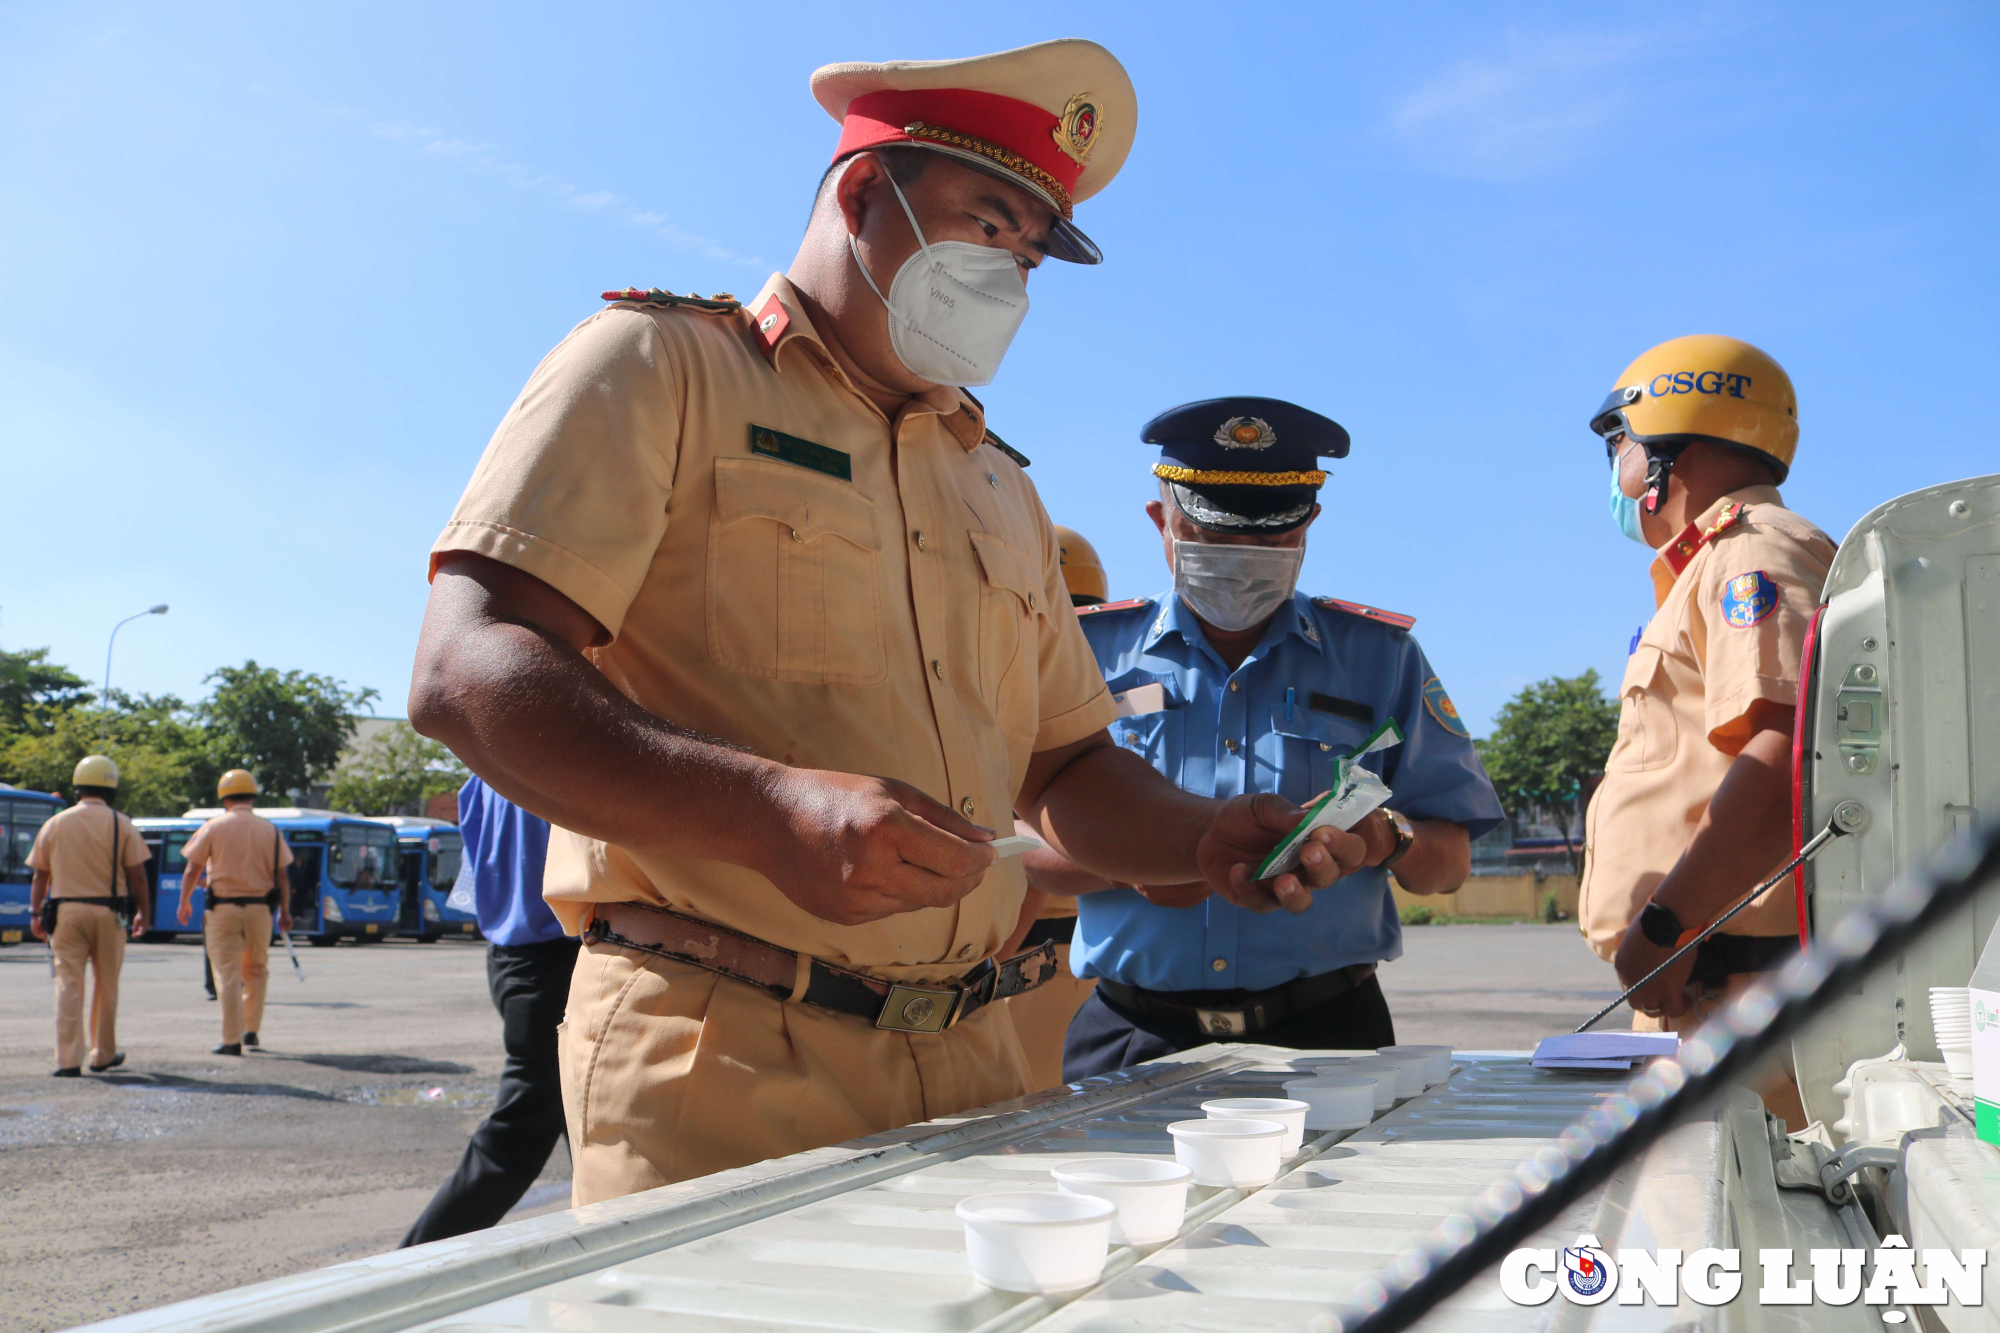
x=671 y=1072
x=87 y=935
x=1772 y=1079
x=1042 y=1016
x=239 y=949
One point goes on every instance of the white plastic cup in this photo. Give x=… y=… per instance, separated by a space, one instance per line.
x=1291 y=1114
x=1150 y=1194
x=1336 y=1101
x=1229 y=1152
x=1437 y=1060
x=1037 y=1241
x=1959 y=1063
x=1406 y=1071
x=1384 y=1076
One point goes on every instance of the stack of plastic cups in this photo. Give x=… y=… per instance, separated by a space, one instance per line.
x=1951 y=1021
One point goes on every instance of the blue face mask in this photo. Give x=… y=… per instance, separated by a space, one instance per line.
x=1625 y=512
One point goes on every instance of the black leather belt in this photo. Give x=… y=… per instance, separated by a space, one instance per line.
x=1235 y=1013
x=898 y=1006
x=265 y=901
x=1720 y=957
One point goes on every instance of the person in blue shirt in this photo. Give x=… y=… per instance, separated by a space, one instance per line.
x=1234 y=682
x=528 y=964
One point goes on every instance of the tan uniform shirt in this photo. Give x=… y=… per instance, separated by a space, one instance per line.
x=237 y=847
x=75 y=848
x=1736 y=592
x=784 y=568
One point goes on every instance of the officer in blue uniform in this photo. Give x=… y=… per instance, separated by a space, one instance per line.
x=1234 y=682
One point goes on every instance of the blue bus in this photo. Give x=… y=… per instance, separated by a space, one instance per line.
x=432 y=849
x=346 y=873
x=165 y=839
x=22 y=814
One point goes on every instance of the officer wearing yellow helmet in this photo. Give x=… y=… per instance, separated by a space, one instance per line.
x=79 y=859
x=242 y=859
x=1695 y=806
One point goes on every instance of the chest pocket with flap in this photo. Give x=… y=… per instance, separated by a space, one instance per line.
x=1012 y=615
x=793 y=591
x=1647 y=732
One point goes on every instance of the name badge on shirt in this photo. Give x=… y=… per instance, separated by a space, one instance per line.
x=1141 y=699
x=800 y=453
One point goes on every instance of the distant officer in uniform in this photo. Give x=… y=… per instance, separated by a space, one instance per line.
x=1695 y=809
x=78 y=859
x=243 y=858
x=720 y=562
x=1235 y=682
x=1049 y=913
x=528 y=965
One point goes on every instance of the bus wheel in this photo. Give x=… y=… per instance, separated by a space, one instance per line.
x=429 y=939
x=322 y=941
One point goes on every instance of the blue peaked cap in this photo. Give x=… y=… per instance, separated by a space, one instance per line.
x=1244 y=464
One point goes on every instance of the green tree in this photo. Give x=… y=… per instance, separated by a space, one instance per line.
x=152 y=738
x=287 y=727
x=34 y=692
x=395 y=771
x=1547 y=743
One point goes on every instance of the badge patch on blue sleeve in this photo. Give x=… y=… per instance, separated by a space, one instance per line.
x=1748 y=598
x=1442 y=707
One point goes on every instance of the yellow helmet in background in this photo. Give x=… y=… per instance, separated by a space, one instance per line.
x=236 y=782
x=94 y=770
x=1083 y=572
x=1705 y=387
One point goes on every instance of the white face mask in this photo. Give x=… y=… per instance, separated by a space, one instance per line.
x=1236 y=587
x=953 y=308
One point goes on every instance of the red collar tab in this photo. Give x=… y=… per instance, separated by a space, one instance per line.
x=1691 y=539
x=772 y=321
x=1126 y=605
x=720 y=303
x=1375 y=613
x=1017 y=136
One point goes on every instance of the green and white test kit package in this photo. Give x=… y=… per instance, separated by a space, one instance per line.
x=1985 y=999
x=1355 y=792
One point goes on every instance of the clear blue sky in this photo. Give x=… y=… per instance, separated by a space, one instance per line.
x=269 y=275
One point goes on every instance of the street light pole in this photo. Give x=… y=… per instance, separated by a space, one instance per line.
x=104 y=728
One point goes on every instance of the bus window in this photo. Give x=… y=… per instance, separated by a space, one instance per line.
x=27 y=820
x=173 y=860
x=364 y=858
x=444 y=861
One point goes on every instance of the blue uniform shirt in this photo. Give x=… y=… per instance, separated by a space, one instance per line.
x=505 y=851
x=1313 y=688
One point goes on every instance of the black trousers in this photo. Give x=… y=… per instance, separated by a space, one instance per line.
x=530 y=987
x=1103 y=1038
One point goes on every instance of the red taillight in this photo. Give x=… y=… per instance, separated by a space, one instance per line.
x=1808 y=688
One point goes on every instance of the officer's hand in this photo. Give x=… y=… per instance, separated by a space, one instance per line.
x=1245 y=830
x=284 y=920
x=138 y=926
x=187 y=909
x=35 y=925
x=1173 y=895
x=853 y=849
x=1666 y=996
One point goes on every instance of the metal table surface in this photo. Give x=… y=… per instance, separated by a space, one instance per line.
x=863 y=1235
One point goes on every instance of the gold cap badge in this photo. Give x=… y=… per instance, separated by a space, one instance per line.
x=1076 y=129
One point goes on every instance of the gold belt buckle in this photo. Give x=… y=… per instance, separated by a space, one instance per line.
x=1222 y=1022
x=918 y=1009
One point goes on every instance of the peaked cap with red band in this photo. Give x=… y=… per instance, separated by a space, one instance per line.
x=1055 y=119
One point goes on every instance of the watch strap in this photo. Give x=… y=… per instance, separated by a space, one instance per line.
x=1406 y=837
x=1659 y=924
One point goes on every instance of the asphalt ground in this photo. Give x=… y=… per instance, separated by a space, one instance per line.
x=184 y=1173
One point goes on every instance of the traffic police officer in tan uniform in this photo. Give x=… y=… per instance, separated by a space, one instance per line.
x=752 y=606
x=244 y=860
x=78 y=859
x=1695 y=808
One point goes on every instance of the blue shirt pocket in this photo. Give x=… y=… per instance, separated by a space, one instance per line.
x=1311 y=745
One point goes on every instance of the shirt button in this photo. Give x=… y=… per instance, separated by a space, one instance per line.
x=1234 y=687
x=1031 y=601
x=1229 y=744
x=937 y=668
x=1220 y=964
x=995 y=481
x=1131 y=738
x=965 y=952
x=923 y=542
x=795 y=535
x=966 y=807
x=1324 y=746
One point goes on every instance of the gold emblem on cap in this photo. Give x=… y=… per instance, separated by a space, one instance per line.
x=1077 y=127
x=1246 y=433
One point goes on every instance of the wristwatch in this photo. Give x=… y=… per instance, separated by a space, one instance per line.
x=1406 y=837
x=1658 y=923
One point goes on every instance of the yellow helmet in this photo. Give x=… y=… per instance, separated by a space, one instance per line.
x=94 y=770
x=1705 y=387
x=1083 y=572
x=236 y=782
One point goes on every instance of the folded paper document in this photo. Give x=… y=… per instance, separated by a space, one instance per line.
x=1356 y=791
x=1603 y=1050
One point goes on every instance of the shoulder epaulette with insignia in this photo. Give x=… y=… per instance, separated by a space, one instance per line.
x=1128 y=604
x=1691 y=539
x=1020 y=459
x=1393 y=619
x=720 y=303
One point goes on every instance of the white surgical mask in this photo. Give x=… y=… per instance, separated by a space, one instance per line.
x=1235 y=587
x=954 y=307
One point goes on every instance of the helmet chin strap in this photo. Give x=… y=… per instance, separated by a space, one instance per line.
x=1659 y=463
